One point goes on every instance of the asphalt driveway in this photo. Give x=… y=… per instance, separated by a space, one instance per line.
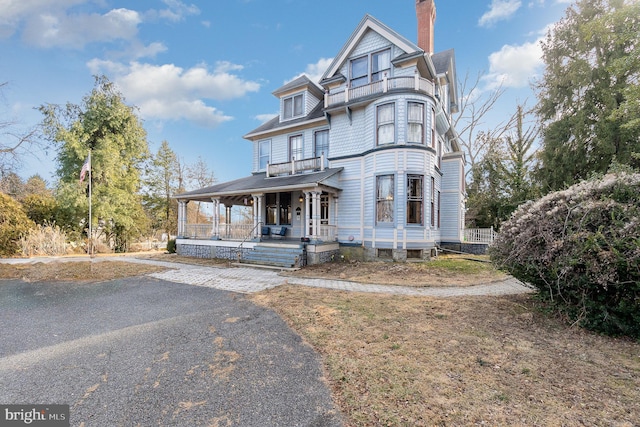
x=147 y=352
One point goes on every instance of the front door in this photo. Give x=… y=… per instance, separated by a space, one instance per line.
x=324 y=212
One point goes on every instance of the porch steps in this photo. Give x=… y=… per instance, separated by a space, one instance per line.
x=281 y=255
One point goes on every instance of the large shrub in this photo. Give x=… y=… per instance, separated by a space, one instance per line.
x=13 y=225
x=581 y=248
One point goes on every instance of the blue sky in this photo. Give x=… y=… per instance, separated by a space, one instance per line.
x=202 y=73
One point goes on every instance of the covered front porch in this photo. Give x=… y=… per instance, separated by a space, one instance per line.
x=301 y=208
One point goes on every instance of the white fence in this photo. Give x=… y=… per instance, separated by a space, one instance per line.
x=479 y=235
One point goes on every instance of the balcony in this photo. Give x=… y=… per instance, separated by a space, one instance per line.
x=295 y=166
x=416 y=83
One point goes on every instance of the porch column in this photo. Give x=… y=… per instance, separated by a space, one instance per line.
x=227 y=212
x=258 y=201
x=334 y=221
x=307 y=214
x=182 y=217
x=215 y=228
x=180 y=234
x=316 y=213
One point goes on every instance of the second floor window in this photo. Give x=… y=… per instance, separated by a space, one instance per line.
x=415 y=195
x=384 y=199
x=415 y=122
x=321 y=145
x=264 y=155
x=293 y=106
x=386 y=116
x=295 y=147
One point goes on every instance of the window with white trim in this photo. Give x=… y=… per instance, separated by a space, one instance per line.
x=385 y=199
x=293 y=106
x=264 y=155
x=433 y=128
x=415 y=123
x=321 y=145
x=295 y=147
x=369 y=68
x=380 y=64
x=433 y=201
x=386 y=129
x=415 y=196
x=359 y=71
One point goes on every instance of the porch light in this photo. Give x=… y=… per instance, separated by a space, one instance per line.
x=301 y=199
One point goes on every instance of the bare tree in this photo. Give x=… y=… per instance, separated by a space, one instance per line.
x=469 y=123
x=199 y=176
x=15 y=143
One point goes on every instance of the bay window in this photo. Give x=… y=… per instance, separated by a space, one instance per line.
x=385 y=199
x=415 y=195
x=385 y=115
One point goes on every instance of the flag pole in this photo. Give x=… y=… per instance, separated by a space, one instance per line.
x=90 y=230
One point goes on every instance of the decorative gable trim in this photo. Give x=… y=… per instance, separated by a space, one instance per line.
x=368 y=23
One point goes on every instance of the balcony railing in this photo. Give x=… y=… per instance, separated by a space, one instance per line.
x=295 y=166
x=416 y=83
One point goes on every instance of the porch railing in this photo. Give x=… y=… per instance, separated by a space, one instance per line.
x=479 y=235
x=328 y=233
x=226 y=231
x=294 y=166
x=404 y=82
x=199 y=231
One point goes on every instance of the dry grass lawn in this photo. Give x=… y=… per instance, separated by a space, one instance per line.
x=84 y=271
x=494 y=361
x=419 y=361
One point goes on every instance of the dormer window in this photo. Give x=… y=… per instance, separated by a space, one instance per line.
x=292 y=107
x=362 y=73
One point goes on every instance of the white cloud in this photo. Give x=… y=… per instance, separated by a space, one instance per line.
x=47 y=23
x=315 y=71
x=169 y=92
x=14 y=12
x=500 y=10
x=56 y=28
x=177 y=10
x=514 y=66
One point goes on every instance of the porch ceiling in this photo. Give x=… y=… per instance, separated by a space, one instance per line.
x=238 y=189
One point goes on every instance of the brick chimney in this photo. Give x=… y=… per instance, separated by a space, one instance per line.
x=426 y=13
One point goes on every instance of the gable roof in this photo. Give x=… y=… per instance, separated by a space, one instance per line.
x=302 y=82
x=316 y=115
x=369 y=23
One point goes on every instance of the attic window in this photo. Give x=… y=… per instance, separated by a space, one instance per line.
x=370 y=68
x=292 y=106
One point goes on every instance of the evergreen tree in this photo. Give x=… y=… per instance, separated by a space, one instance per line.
x=161 y=183
x=589 y=95
x=108 y=128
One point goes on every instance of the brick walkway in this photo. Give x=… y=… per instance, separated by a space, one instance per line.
x=248 y=280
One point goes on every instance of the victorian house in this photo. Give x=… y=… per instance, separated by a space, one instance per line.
x=367 y=160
